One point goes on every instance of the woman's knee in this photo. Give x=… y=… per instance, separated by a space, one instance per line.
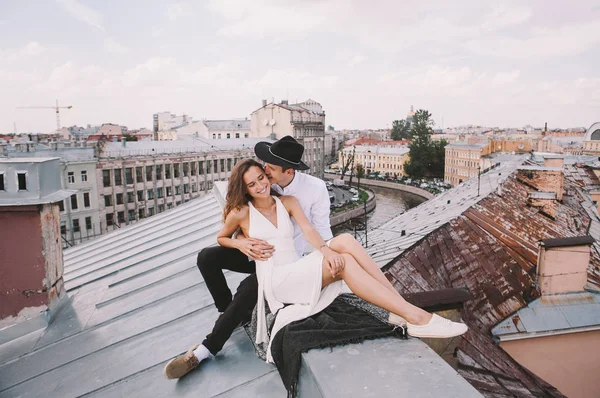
x=342 y=241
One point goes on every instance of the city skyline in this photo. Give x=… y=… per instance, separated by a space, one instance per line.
x=467 y=63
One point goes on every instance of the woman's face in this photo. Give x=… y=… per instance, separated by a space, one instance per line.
x=257 y=183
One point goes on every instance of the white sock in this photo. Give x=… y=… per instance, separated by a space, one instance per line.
x=201 y=353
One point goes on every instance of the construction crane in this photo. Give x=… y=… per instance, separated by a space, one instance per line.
x=56 y=109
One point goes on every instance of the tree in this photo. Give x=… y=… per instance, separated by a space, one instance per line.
x=347 y=160
x=400 y=130
x=360 y=173
x=426 y=156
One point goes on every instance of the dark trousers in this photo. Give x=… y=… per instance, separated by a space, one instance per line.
x=212 y=261
x=236 y=311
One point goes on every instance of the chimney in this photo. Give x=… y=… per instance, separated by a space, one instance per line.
x=30 y=240
x=554 y=161
x=264 y=102
x=123 y=142
x=563 y=264
x=284 y=102
x=544 y=179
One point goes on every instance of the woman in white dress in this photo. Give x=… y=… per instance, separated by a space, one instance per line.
x=307 y=285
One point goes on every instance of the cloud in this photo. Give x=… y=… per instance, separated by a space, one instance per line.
x=503 y=16
x=31 y=49
x=357 y=59
x=567 y=40
x=114 y=47
x=176 y=10
x=83 y=13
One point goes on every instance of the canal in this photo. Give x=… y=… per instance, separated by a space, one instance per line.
x=390 y=203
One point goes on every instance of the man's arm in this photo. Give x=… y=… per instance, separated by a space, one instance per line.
x=320 y=211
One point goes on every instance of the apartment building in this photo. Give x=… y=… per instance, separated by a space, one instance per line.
x=305 y=121
x=377 y=158
x=464 y=160
x=141 y=180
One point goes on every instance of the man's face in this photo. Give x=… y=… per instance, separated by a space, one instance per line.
x=274 y=172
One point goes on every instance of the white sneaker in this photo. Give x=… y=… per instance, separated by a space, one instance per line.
x=437 y=328
x=394 y=319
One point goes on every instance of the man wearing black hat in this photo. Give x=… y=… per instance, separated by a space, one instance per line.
x=281 y=159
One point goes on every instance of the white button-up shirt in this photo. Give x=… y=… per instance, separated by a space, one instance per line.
x=313 y=197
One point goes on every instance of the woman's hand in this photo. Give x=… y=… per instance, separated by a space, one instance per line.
x=256 y=249
x=335 y=261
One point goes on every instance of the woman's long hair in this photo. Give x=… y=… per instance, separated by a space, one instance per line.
x=237 y=193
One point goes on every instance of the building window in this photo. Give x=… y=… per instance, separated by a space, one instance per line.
x=186 y=169
x=229 y=164
x=222 y=164
x=167 y=171
x=131 y=215
x=208 y=164
x=148 y=173
x=245 y=135
x=150 y=211
x=228 y=135
x=130 y=197
x=193 y=166
x=150 y=194
x=74 y=202
x=118 y=179
x=63 y=228
x=110 y=219
x=88 y=223
x=86 y=199
x=2 y=182
x=161 y=208
x=119 y=198
x=121 y=217
x=22 y=181
x=108 y=200
x=158 y=172
x=176 y=169
x=140 y=196
x=159 y=192
x=83 y=175
x=194 y=187
x=237 y=135
x=61 y=205
x=214 y=136
x=177 y=190
x=76 y=227
x=129 y=175
x=169 y=191
x=71 y=177
x=106 y=178
x=219 y=135
x=201 y=167
x=186 y=188
x=169 y=205
x=139 y=174
x=140 y=213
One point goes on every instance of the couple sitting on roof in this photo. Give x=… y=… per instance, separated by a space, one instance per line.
x=297 y=266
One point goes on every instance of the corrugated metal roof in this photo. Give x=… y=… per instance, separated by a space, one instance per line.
x=553 y=313
x=490 y=249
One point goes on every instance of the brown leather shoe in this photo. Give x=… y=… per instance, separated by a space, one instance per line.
x=182 y=365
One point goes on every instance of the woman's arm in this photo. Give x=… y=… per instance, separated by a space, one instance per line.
x=256 y=249
x=335 y=261
x=232 y=223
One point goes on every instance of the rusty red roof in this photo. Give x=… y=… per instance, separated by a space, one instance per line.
x=491 y=250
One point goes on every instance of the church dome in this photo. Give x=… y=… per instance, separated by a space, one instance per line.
x=593 y=133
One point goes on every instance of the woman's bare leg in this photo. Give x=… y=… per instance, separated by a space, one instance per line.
x=345 y=243
x=368 y=288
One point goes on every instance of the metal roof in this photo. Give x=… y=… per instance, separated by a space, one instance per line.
x=392 y=238
x=556 y=313
x=136 y=299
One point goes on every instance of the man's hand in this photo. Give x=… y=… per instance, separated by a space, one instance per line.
x=256 y=249
x=335 y=261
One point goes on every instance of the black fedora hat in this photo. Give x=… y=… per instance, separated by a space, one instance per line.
x=287 y=152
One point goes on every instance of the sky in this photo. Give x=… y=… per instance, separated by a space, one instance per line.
x=366 y=62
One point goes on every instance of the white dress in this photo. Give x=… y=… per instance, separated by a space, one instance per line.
x=286 y=278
